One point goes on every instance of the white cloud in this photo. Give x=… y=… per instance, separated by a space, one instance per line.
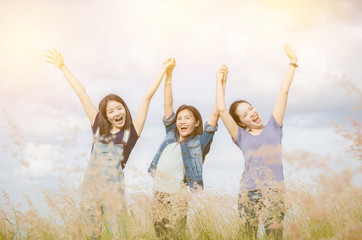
x=3 y=175
x=38 y=161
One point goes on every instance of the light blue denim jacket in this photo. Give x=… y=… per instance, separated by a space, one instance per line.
x=193 y=149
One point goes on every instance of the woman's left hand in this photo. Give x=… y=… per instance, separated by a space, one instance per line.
x=291 y=53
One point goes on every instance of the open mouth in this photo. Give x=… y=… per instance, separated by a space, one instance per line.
x=256 y=119
x=183 y=128
x=119 y=119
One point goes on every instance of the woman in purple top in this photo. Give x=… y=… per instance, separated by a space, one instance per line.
x=262 y=182
x=115 y=135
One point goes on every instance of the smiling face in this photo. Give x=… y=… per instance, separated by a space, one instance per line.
x=249 y=116
x=186 y=123
x=116 y=114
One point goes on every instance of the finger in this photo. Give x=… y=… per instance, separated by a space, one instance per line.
x=286 y=47
x=52 y=62
x=169 y=61
x=55 y=50
x=225 y=75
x=51 y=53
x=49 y=56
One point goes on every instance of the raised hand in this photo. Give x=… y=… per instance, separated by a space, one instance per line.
x=291 y=53
x=55 y=58
x=221 y=75
x=226 y=72
x=169 y=65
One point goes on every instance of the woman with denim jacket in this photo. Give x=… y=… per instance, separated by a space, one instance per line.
x=115 y=135
x=262 y=183
x=178 y=161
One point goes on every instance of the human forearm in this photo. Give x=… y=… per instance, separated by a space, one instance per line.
x=281 y=102
x=284 y=88
x=141 y=116
x=214 y=117
x=156 y=83
x=168 y=97
x=287 y=81
x=73 y=81
x=220 y=96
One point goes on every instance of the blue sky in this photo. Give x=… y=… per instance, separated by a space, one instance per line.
x=119 y=46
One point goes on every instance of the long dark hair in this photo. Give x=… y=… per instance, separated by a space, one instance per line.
x=232 y=111
x=104 y=125
x=199 y=129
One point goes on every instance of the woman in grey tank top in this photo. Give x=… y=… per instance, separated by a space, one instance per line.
x=262 y=182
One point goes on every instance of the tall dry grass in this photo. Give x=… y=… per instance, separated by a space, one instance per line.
x=331 y=209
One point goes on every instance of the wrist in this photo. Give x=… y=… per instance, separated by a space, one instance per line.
x=293 y=64
x=62 y=67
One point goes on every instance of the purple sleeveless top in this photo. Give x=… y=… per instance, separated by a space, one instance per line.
x=263 y=157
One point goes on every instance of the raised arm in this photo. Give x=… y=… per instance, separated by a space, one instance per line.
x=230 y=124
x=168 y=98
x=214 y=117
x=281 y=103
x=140 y=119
x=56 y=58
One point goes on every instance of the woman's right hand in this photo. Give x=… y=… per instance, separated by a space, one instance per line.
x=55 y=58
x=169 y=65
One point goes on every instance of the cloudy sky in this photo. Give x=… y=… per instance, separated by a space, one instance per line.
x=119 y=46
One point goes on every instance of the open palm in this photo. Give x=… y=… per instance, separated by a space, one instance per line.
x=55 y=58
x=291 y=53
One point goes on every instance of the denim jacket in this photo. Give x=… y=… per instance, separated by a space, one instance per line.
x=193 y=149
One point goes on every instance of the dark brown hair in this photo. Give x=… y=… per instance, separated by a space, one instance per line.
x=232 y=111
x=104 y=125
x=199 y=129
